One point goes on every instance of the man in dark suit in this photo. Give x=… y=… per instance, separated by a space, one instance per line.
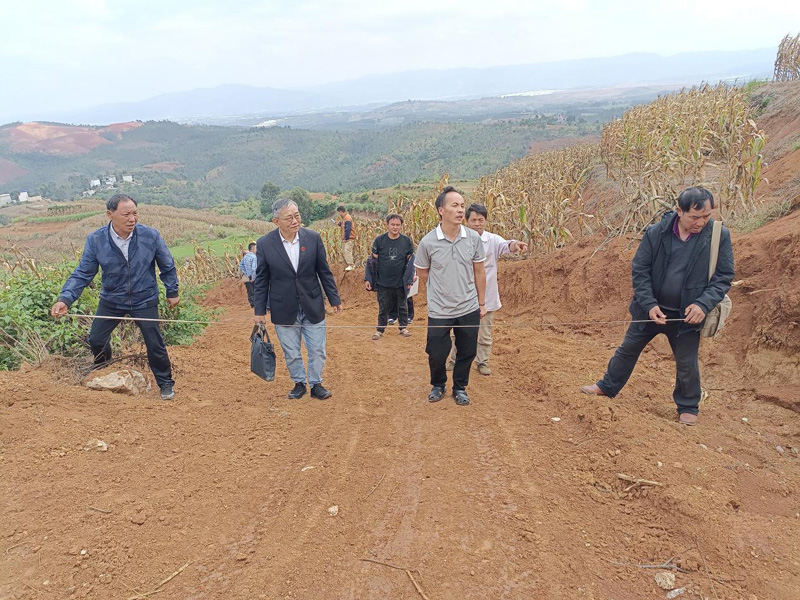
x=292 y=271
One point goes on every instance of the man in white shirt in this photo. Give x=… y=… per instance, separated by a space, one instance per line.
x=494 y=246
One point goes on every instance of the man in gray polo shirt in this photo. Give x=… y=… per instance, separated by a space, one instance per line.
x=450 y=259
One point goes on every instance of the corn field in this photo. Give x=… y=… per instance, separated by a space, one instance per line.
x=787 y=62
x=537 y=199
x=702 y=136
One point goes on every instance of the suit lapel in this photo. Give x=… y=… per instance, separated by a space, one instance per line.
x=280 y=249
x=301 y=237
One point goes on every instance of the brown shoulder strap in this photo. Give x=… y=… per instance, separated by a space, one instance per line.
x=716 y=234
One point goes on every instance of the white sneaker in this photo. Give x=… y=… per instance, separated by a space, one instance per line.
x=350 y=268
x=391 y=321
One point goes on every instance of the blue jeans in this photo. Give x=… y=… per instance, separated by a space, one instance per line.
x=314 y=335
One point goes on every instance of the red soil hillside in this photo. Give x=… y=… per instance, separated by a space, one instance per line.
x=9 y=171
x=64 y=140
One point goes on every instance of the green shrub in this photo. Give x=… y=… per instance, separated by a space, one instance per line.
x=28 y=333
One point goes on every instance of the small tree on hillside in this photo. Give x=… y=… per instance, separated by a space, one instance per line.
x=269 y=192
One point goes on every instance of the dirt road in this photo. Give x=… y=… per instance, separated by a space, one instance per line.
x=495 y=500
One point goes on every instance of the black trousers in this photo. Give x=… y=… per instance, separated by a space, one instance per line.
x=392 y=301
x=157 y=355
x=410 y=306
x=684 y=348
x=248 y=285
x=439 y=345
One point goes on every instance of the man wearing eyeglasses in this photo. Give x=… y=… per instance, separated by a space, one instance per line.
x=292 y=272
x=451 y=260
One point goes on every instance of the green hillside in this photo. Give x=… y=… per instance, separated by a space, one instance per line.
x=203 y=166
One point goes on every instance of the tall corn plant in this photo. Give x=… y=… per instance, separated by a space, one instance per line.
x=787 y=61
x=702 y=136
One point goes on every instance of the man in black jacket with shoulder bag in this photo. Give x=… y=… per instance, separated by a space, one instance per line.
x=673 y=290
x=292 y=272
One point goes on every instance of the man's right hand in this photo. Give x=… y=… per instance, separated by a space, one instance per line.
x=59 y=309
x=368 y=286
x=258 y=319
x=657 y=316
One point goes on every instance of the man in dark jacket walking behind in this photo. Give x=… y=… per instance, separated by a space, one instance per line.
x=671 y=288
x=393 y=260
x=127 y=253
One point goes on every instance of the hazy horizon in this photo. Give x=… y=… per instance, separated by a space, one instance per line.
x=60 y=56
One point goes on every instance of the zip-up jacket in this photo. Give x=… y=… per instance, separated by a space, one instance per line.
x=371 y=272
x=125 y=284
x=651 y=261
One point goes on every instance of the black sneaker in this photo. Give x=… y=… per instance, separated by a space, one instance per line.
x=319 y=392
x=461 y=397
x=298 y=391
x=391 y=321
x=436 y=394
x=167 y=393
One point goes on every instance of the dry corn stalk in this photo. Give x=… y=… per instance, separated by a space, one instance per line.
x=702 y=136
x=787 y=62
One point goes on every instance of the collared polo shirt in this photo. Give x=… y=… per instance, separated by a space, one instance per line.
x=119 y=241
x=451 y=279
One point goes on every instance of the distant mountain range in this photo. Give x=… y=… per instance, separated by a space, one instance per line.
x=230 y=103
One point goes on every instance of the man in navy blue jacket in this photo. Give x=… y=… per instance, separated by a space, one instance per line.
x=127 y=253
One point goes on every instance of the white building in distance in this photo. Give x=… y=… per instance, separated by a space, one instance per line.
x=23 y=197
x=5 y=199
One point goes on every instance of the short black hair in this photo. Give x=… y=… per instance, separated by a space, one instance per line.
x=440 y=198
x=477 y=208
x=341 y=208
x=695 y=197
x=391 y=216
x=113 y=202
x=251 y=245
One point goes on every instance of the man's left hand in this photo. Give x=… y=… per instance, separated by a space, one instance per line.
x=694 y=314
x=520 y=246
x=483 y=311
x=173 y=302
x=337 y=309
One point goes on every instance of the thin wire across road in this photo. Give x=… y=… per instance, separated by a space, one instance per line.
x=372 y=325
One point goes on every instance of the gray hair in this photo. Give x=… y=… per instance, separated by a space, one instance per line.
x=280 y=204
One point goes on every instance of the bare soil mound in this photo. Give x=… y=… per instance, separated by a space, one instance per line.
x=59 y=139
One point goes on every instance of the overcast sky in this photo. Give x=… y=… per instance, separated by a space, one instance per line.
x=65 y=54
